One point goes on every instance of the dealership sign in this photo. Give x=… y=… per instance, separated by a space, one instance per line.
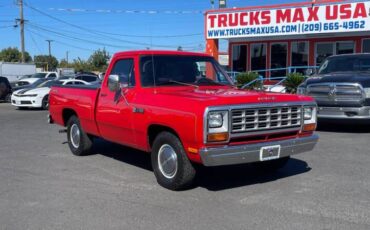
x=349 y=17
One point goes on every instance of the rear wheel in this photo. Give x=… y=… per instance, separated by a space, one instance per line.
x=171 y=166
x=79 y=142
x=45 y=102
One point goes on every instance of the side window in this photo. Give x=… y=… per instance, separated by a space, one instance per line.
x=125 y=70
x=52 y=76
x=69 y=83
x=78 y=83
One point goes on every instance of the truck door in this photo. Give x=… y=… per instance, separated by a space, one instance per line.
x=114 y=113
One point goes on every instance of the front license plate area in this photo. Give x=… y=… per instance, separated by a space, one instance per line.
x=270 y=153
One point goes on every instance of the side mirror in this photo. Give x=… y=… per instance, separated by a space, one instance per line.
x=310 y=72
x=113 y=83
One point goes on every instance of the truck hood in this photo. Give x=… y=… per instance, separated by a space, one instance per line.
x=362 y=78
x=219 y=96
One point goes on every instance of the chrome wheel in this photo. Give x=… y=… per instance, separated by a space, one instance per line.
x=167 y=161
x=75 y=136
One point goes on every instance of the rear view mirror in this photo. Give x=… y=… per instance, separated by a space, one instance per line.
x=113 y=83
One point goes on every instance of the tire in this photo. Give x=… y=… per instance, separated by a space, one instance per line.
x=45 y=103
x=176 y=176
x=81 y=145
x=273 y=165
x=8 y=98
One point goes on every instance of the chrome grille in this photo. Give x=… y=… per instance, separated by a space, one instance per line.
x=260 y=119
x=336 y=92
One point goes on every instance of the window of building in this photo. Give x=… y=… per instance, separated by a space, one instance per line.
x=279 y=52
x=239 y=61
x=300 y=55
x=324 y=50
x=258 y=58
x=345 y=47
x=366 y=46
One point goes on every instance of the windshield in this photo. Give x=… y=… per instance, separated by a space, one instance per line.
x=345 y=64
x=181 y=70
x=39 y=75
x=50 y=84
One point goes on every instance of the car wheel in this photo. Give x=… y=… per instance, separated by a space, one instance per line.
x=272 y=165
x=8 y=97
x=79 y=142
x=45 y=102
x=171 y=166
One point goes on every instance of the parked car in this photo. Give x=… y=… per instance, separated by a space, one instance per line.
x=23 y=84
x=46 y=75
x=88 y=78
x=5 y=89
x=183 y=115
x=39 y=97
x=341 y=88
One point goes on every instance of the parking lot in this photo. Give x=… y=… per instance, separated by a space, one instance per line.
x=43 y=186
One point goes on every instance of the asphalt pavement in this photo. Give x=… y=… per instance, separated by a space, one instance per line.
x=43 y=186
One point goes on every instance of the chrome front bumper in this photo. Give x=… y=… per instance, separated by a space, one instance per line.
x=344 y=112
x=230 y=155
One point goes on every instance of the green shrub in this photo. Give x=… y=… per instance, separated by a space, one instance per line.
x=292 y=82
x=244 y=78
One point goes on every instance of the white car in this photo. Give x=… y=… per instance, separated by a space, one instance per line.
x=39 y=97
x=47 y=75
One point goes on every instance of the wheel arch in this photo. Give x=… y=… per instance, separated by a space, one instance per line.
x=67 y=114
x=155 y=129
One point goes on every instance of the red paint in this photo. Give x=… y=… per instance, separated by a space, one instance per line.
x=178 y=108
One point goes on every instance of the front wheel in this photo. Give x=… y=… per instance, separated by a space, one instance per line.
x=79 y=142
x=45 y=103
x=171 y=166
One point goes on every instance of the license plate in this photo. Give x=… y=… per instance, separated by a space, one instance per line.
x=269 y=153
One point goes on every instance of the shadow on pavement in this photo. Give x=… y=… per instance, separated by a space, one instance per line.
x=342 y=127
x=211 y=178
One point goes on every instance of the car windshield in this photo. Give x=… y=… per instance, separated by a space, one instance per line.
x=39 y=75
x=50 y=84
x=349 y=63
x=177 y=70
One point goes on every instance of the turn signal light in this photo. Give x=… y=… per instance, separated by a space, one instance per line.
x=309 y=127
x=217 y=137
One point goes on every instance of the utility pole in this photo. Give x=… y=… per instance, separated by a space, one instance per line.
x=67 y=56
x=21 y=23
x=49 y=41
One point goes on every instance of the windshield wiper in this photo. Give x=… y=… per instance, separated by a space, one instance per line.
x=178 y=82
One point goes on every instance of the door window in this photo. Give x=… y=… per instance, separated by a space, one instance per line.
x=125 y=70
x=52 y=76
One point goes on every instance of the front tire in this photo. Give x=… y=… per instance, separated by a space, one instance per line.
x=171 y=166
x=45 y=103
x=79 y=142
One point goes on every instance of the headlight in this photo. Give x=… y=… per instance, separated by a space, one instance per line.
x=310 y=118
x=215 y=120
x=367 y=92
x=217 y=126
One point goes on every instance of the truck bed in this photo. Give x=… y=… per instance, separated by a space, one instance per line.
x=81 y=99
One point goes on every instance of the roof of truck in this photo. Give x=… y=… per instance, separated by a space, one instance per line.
x=160 y=52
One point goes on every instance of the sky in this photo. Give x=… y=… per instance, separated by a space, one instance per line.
x=81 y=26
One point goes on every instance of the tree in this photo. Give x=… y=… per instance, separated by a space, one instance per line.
x=99 y=60
x=64 y=64
x=80 y=65
x=45 y=61
x=13 y=55
x=179 y=48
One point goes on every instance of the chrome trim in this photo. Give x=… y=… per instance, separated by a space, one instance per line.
x=251 y=106
x=363 y=113
x=229 y=155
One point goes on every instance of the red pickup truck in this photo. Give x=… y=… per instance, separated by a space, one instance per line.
x=183 y=109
